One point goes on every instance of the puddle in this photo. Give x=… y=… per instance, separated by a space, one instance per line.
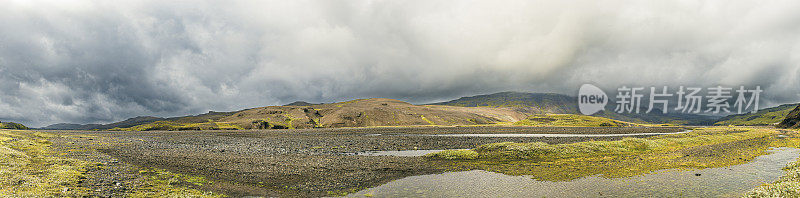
x=554 y=135
x=731 y=181
x=406 y=153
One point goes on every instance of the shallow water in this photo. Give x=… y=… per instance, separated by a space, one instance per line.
x=554 y=135
x=729 y=181
x=406 y=153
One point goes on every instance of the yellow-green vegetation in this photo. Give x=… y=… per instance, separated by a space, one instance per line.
x=174 y=126
x=703 y=148
x=541 y=151
x=426 y=120
x=28 y=168
x=161 y=183
x=572 y=120
x=767 y=116
x=459 y=154
x=12 y=125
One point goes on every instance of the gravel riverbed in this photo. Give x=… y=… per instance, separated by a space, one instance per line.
x=305 y=163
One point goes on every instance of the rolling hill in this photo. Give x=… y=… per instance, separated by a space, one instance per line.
x=368 y=112
x=768 y=116
x=503 y=107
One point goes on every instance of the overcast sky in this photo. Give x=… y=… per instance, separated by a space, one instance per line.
x=104 y=61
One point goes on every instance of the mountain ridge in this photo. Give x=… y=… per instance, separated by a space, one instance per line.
x=498 y=107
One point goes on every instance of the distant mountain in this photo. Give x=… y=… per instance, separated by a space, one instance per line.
x=12 y=125
x=130 y=122
x=300 y=103
x=506 y=107
x=69 y=126
x=536 y=103
x=768 y=116
x=792 y=119
x=528 y=102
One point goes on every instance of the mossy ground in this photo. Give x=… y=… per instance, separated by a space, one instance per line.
x=703 y=148
x=161 y=183
x=571 y=120
x=29 y=167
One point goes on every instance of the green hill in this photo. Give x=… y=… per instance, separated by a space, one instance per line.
x=11 y=125
x=354 y=113
x=768 y=116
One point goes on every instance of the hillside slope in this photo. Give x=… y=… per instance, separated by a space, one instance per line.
x=792 y=119
x=768 y=116
x=368 y=112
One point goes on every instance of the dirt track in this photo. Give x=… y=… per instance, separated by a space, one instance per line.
x=310 y=162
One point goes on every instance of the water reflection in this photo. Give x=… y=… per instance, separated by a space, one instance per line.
x=729 y=181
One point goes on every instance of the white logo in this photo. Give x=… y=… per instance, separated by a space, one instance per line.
x=591 y=99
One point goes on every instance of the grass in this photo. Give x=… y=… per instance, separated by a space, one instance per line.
x=161 y=183
x=542 y=151
x=703 y=148
x=572 y=120
x=426 y=120
x=28 y=168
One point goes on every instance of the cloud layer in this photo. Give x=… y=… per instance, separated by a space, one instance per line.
x=100 y=61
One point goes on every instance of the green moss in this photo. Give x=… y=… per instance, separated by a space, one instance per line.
x=454 y=154
x=572 y=120
x=704 y=148
x=539 y=150
x=426 y=120
x=28 y=168
x=162 y=183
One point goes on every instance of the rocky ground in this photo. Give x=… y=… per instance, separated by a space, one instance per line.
x=310 y=162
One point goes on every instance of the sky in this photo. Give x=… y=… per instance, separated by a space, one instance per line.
x=105 y=61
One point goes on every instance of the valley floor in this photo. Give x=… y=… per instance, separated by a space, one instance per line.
x=312 y=162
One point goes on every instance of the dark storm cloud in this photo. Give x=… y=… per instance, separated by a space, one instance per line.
x=98 y=61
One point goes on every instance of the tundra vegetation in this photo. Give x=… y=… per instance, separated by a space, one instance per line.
x=30 y=168
x=572 y=120
x=702 y=148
